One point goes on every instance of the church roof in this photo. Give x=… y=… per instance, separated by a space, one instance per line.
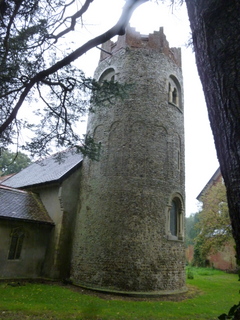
x=215 y=177
x=22 y=205
x=52 y=169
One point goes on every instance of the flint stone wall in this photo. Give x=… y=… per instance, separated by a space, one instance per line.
x=121 y=241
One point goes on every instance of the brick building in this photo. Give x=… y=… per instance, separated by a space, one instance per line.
x=223 y=259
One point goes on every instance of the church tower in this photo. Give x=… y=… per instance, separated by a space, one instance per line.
x=129 y=235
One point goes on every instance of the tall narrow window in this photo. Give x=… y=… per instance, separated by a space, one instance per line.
x=174 y=91
x=174 y=96
x=174 y=218
x=15 y=249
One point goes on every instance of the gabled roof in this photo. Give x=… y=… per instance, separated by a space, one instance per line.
x=52 y=169
x=22 y=205
x=217 y=174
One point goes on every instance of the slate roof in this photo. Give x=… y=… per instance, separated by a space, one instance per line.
x=52 y=169
x=22 y=205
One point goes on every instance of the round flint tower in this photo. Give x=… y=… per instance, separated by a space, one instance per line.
x=130 y=228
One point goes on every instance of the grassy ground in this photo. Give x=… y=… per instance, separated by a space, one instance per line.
x=211 y=293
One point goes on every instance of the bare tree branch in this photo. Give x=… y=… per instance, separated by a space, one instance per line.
x=117 y=29
x=73 y=18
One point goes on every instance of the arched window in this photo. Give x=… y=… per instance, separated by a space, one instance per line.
x=108 y=75
x=175 y=219
x=174 y=91
x=17 y=236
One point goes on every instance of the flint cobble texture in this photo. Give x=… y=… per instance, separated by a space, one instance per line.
x=121 y=236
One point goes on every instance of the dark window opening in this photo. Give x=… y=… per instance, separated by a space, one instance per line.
x=174 y=96
x=174 y=218
x=15 y=249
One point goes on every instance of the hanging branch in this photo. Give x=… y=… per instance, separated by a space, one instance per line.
x=117 y=29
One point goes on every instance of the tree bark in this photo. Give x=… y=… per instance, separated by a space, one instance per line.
x=215 y=26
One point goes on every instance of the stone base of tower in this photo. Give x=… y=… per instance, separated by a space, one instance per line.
x=140 y=294
x=146 y=279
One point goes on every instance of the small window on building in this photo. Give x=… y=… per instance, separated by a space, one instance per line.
x=175 y=96
x=174 y=91
x=175 y=220
x=17 y=236
x=108 y=75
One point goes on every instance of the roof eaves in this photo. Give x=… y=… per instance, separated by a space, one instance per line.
x=27 y=220
x=2 y=186
x=56 y=181
x=42 y=218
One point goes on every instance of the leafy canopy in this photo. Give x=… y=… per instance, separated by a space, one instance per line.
x=12 y=163
x=191 y=230
x=214 y=226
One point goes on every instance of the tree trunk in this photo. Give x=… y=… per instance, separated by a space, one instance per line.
x=215 y=28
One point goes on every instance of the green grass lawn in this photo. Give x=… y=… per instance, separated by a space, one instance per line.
x=216 y=293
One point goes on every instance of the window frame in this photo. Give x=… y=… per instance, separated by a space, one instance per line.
x=174 y=92
x=108 y=74
x=16 y=243
x=179 y=218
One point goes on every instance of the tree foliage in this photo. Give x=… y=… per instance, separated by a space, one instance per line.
x=214 y=225
x=191 y=230
x=36 y=65
x=10 y=162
